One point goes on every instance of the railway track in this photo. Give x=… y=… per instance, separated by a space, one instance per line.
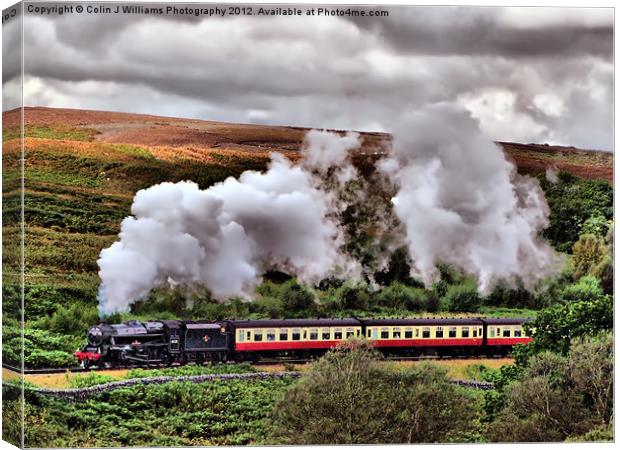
x=264 y=362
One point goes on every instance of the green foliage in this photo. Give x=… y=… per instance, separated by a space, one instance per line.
x=190 y=370
x=48 y=132
x=587 y=288
x=596 y=225
x=41 y=348
x=132 y=150
x=347 y=398
x=73 y=320
x=48 y=358
x=559 y=398
x=554 y=327
x=92 y=379
x=462 y=298
x=572 y=203
x=588 y=253
x=231 y=412
x=12 y=413
x=398 y=295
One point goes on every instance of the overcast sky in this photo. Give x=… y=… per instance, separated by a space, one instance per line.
x=527 y=74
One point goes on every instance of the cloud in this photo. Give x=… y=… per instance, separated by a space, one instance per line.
x=329 y=72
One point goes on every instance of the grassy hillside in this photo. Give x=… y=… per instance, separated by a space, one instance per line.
x=82 y=169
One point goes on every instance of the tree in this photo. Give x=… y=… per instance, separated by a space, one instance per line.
x=588 y=252
x=347 y=397
x=572 y=201
x=588 y=288
x=554 y=327
x=462 y=298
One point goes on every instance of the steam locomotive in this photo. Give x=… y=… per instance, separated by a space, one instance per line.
x=168 y=342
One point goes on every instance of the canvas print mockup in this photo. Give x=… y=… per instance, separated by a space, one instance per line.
x=306 y=224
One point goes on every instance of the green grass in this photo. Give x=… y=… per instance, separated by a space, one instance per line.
x=132 y=150
x=47 y=132
x=54 y=176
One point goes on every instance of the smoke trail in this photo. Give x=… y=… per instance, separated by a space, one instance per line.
x=462 y=203
x=226 y=236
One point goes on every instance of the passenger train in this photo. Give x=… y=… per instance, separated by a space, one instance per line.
x=167 y=342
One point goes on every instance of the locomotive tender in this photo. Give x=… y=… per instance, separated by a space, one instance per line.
x=167 y=342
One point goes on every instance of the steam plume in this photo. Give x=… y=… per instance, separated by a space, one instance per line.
x=226 y=236
x=463 y=203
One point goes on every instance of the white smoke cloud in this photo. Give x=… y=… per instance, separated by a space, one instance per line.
x=462 y=203
x=551 y=173
x=226 y=236
x=323 y=151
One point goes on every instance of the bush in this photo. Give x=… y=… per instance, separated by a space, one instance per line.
x=558 y=398
x=347 y=398
x=49 y=358
x=400 y=296
x=74 y=319
x=462 y=298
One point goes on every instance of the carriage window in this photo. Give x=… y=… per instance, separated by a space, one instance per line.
x=492 y=332
x=296 y=334
x=517 y=332
x=426 y=332
x=284 y=335
x=350 y=332
x=499 y=332
x=258 y=335
x=396 y=333
x=506 y=332
x=417 y=332
x=439 y=332
x=314 y=334
x=385 y=333
x=249 y=335
x=241 y=336
x=325 y=334
x=408 y=333
x=475 y=332
x=465 y=332
x=375 y=333
x=271 y=335
x=452 y=332
x=338 y=333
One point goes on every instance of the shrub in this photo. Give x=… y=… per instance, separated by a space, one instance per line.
x=558 y=397
x=347 y=398
x=462 y=298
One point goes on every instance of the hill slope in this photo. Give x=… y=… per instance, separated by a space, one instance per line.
x=82 y=170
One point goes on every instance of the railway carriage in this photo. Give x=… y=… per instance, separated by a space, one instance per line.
x=426 y=335
x=503 y=334
x=305 y=337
